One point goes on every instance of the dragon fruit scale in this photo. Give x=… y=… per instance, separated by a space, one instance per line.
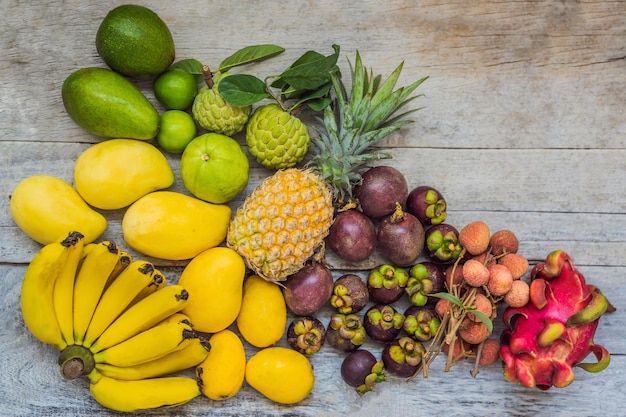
x=554 y=331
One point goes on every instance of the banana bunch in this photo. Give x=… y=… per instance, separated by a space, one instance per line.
x=114 y=320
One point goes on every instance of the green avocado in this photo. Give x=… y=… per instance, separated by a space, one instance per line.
x=107 y=104
x=134 y=41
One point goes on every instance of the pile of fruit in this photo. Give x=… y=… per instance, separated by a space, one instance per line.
x=119 y=322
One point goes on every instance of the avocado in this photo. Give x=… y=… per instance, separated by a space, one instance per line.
x=107 y=104
x=134 y=41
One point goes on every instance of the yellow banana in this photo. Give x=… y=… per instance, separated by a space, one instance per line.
x=148 y=345
x=143 y=315
x=191 y=355
x=124 y=261
x=98 y=263
x=37 y=297
x=143 y=394
x=117 y=296
x=158 y=281
x=64 y=290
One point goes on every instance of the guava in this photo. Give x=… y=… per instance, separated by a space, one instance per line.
x=214 y=168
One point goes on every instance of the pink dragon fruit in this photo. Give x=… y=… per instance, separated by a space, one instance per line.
x=554 y=331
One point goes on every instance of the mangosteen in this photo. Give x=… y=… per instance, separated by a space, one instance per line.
x=421 y=323
x=427 y=204
x=345 y=332
x=400 y=237
x=309 y=289
x=361 y=370
x=306 y=335
x=350 y=294
x=442 y=243
x=382 y=322
x=381 y=188
x=352 y=236
x=425 y=278
x=386 y=283
x=403 y=357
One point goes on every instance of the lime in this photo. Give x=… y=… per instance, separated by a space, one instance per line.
x=177 y=130
x=214 y=168
x=175 y=89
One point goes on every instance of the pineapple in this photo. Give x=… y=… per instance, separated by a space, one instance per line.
x=285 y=220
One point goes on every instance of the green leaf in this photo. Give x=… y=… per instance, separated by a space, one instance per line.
x=192 y=66
x=315 y=95
x=449 y=297
x=319 y=104
x=483 y=317
x=242 y=89
x=250 y=54
x=311 y=74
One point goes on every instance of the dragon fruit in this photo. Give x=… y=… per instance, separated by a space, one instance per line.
x=554 y=331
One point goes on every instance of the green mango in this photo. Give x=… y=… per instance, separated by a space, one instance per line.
x=134 y=41
x=107 y=104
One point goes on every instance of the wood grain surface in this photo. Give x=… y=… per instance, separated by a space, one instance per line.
x=523 y=127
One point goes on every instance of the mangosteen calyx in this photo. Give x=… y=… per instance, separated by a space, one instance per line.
x=419 y=285
x=421 y=323
x=407 y=350
x=306 y=335
x=385 y=317
x=442 y=243
x=349 y=327
x=387 y=276
x=375 y=377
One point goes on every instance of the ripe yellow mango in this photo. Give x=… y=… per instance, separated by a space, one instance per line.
x=222 y=372
x=114 y=173
x=47 y=207
x=280 y=374
x=174 y=226
x=214 y=280
x=263 y=314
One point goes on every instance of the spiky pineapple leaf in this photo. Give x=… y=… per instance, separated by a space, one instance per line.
x=242 y=89
x=249 y=54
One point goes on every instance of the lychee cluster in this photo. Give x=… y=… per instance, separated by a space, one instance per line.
x=487 y=274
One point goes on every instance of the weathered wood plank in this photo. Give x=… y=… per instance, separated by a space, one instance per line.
x=506 y=74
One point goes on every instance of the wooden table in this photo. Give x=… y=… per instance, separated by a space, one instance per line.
x=524 y=128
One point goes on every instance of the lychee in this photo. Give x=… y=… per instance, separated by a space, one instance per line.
x=489 y=353
x=503 y=241
x=517 y=264
x=474 y=237
x=519 y=294
x=460 y=350
x=500 y=280
x=475 y=273
x=473 y=332
x=482 y=304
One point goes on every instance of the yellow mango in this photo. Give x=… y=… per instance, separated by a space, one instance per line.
x=46 y=207
x=263 y=314
x=214 y=280
x=280 y=374
x=174 y=226
x=114 y=173
x=222 y=372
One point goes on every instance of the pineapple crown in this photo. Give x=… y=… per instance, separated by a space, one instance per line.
x=353 y=124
